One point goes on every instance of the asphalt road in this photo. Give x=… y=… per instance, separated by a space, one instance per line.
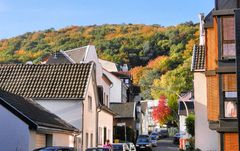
x=165 y=145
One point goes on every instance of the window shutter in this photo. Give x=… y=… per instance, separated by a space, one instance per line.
x=213 y=98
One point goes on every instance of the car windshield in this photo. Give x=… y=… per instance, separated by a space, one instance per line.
x=154 y=134
x=145 y=140
x=153 y=138
x=46 y=150
x=117 y=147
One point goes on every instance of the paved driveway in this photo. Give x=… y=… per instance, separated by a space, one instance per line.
x=165 y=145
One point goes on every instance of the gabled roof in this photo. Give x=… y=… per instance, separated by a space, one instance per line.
x=124 y=110
x=109 y=66
x=58 y=58
x=198 y=58
x=57 y=81
x=32 y=113
x=77 y=55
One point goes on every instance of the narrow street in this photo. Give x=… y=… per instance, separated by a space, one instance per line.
x=166 y=145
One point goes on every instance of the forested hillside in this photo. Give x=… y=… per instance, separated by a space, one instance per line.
x=169 y=74
x=159 y=56
x=132 y=44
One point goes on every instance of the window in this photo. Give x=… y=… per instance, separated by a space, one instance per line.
x=86 y=140
x=104 y=134
x=89 y=103
x=109 y=134
x=104 y=97
x=228 y=38
x=230 y=95
x=230 y=109
x=100 y=136
x=91 y=143
x=106 y=100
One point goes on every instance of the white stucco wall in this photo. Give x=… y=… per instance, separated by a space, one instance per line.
x=92 y=56
x=182 y=124
x=70 y=111
x=106 y=120
x=14 y=133
x=205 y=139
x=106 y=91
x=89 y=125
x=63 y=140
x=116 y=89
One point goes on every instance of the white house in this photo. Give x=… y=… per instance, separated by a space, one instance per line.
x=88 y=54
x=67 y=90
x=118 y=91
x=26 y=125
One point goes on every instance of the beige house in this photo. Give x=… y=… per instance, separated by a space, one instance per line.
x=205 y=138
x=67 y=90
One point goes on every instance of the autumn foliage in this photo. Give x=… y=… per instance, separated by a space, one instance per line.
x=161 y=113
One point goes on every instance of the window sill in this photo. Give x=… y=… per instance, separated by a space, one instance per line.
x=228 y=119
x=227 y=60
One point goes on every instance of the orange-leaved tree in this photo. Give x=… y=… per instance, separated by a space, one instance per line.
x=162 y=112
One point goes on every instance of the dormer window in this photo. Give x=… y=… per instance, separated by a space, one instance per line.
x=228 y=38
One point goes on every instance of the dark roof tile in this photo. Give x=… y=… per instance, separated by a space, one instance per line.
x=198 y=62
x=46 y=81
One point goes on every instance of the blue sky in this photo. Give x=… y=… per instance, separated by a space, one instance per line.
x=20 y=16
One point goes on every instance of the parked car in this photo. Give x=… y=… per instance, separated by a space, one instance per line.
x=131 y=146
x=155 y=134
x=55 y=148
x=177 y=136
x=120 y=147
x=164 y=133
x=143 y=136
x=144 y=143
x=154 y=139
x=98 y=149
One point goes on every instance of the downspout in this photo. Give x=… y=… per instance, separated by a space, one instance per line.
x=97 y=122
x=82 y=124
x=109 y=95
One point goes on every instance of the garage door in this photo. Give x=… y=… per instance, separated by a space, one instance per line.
x=40 y=140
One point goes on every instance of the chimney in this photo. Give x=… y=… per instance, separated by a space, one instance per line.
x=201 y=31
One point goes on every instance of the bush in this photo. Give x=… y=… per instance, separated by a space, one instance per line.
x=190 y=124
